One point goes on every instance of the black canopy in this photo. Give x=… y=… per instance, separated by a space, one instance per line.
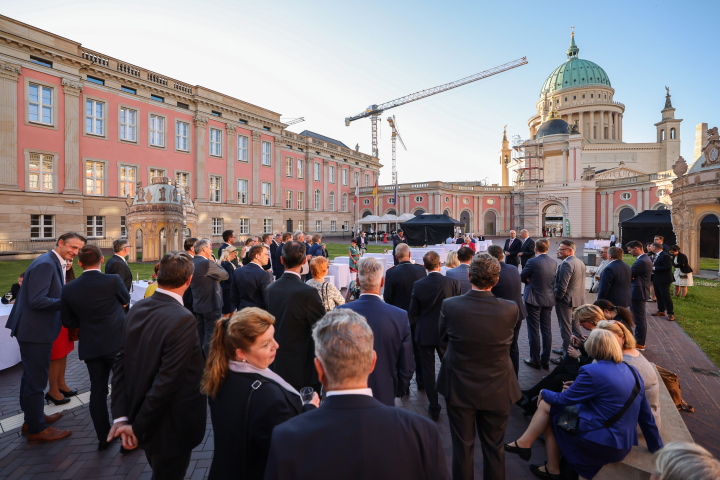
x=646 y=225
x=429 y=229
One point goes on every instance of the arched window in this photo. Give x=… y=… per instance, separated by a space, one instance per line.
x=672 y=134
x=317 y=199
x=331 y=201
x=662 y=135
x=345 y=202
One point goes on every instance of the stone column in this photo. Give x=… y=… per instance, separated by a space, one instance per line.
x=620 y=118
x=639 y=199
x=612 y=133
x=201 y=122
x=502 y=215
x=230 y=196
x=279 y=165
x=71 y=90
x=564 y=165
x=325 y=192
x=256 y=168
x=582 y=125
x=592 y=125
x=309 y=175
x=611 y=213
x=647 y=199
x=602 y=125
x=603 y=212
x=9 y=73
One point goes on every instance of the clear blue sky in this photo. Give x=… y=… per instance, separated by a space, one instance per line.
x=329 y=60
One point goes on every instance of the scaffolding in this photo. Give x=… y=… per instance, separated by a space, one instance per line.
x=529 y=160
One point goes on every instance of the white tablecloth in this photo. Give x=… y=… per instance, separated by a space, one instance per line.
x=382 y=258
x=138 y=291
x=345 y=260
x=452 y=246
x=9 y=348
x=482 y=246
x=597 y=244
x=341 y=274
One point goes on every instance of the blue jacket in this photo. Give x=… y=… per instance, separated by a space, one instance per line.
x=641 y=278
x=392 y=343
x=600 y=391
x=615 y=282
x=249 y=286
x=460 y=273
x=539 y=278
x=35 y=317
x=508 y=287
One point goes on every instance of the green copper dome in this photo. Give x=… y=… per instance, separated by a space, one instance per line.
x=574 y=73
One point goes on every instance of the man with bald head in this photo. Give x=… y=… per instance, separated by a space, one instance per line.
x=527 y=247
x=512 y=247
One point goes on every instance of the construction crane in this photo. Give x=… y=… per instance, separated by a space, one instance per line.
x=374 y=111
x=293 y=121
x=395 y=134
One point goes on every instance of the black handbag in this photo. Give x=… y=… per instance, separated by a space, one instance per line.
x=569 y=419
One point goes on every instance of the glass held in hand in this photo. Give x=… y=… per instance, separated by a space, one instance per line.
x=306 y=393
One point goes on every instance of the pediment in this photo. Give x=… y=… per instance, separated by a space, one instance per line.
x=619 y=172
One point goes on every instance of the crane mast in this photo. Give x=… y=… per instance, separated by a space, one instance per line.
x=395 y=135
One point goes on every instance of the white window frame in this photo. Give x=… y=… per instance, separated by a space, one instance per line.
x=243 y=193
x=266 y=156
x=41 y=105
x=367 y=180
x=129 y=127
x=333 y=226
x=345 y=202
x=242 y=148
x=183 y=179
x=344 y=176
x=95 y=226
x=215 y=135
x=301 y=225
x=156 y=172
x=93 y=131
x=123 y=226
x=331 y=173
x=94 y=178
x=127 y=186
x=157 y=130
x=300 y=200
x=300 y=168
x=318 y=225
x=331 y=201
x=317 y=199
x=289 y=166
x=42 y=173
x=267 y=225
x=217 y=226
x=182 y=140
x=41 y=226
x=288 y=199
x=266 y=193
x=316 y=171
x=215 y=188
x=244 y=228
x=346 y=224
x=357 y=179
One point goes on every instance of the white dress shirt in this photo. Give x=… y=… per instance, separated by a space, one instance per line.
x=351 y=391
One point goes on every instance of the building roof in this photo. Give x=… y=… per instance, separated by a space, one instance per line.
x=575 y=72
x=308 y=133
x=553 y=126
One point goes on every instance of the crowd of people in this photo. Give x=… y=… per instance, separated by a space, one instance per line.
x=302 y=384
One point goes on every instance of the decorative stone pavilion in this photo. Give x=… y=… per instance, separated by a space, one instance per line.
x=157 y=217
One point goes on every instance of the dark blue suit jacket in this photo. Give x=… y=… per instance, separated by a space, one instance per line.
x=399 y=281
x=35 y=317
x=641 y=278
x=539 y=278
x=662 y=274
x=615 y=282
x=249 y=286
x=508 y=287
x=395 y=362
x=356 y=437
x=513 y=248
x=427 y=298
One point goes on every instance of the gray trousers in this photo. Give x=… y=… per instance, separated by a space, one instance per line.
x=568 y=326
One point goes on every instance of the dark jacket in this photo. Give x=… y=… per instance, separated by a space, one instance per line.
x=513 y=248
x=296 y=307
x=226 y=285
x=662 y=273
x=476 y=371
x=156 y=379
x=641 y=282
x=249 y=288
x=118 y=266
x=206 y=290
x=99 y=317
x=277 y=266
x=509 y=288
x=427 y=298
x=356 y=437
x=681 y=261
x=615 y=281
x=539 y=277
x=399 y=281
x=221 y=248
x=392 y=343
x=527 y=248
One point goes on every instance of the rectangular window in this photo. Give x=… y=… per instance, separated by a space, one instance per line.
x=367 y=180
x=217 y=114
x=128 y=176
x=357 y=178
x=242 y=148
x=331 y=174
x=346 y=224
x=331 y=201
x=266 y=153
x=344 y=176
x=157 y=98
x=215 y=142
x=128 y=90
x=301 y=225
x=123 y=227
x=266 y=193
x=182 y=132
x=41 y=61
x=300 y=168
x=244 y=226
x=288 y=199
x=40 y=170
x=289 y=167
x=301 y=200
x=317 y=200
x=217 y=226
x=156 y=173
x=333 y=225
x=157 y=131
x=98 y=81
x=40 y=104
x=244 y=122
x=318 y=225
x=242 y=192
x=345 y=202
x=215 y=189
x=183 y=105
x=95 y=226
x=94 y=117
x=267 y=225
x=266 y=128
x=316 y=174
x=128 y=124
x=182 y=179
x=42 y=226
x=94 y=178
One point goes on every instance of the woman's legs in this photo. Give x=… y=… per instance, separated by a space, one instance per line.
x=683 y=292
x=552 y=449
x=61 y=374
x=539 y=424
x=53 y=377
x=676 y=291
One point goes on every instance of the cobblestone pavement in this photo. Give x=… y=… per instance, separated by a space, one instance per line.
x=77 y=458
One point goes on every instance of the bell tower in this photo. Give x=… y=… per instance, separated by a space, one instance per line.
x=505 y=158
x=668 y=135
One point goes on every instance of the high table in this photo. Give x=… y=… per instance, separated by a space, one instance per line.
x=138 y=291
x=341 y=274
x=345 y=260
x=9 y=348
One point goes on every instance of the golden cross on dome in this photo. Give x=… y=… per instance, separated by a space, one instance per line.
x=572 y=30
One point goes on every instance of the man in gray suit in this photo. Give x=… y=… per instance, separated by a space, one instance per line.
x=460 y=273
x=539 y=278
x=206 y=291
x=569 y=292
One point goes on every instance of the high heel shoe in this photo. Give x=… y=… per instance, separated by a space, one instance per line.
x=62 y=401
x=69 y=393
x=524 y=453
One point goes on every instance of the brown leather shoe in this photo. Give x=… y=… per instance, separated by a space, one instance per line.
x=50 y=434
x=671 y=317
x=658 y=314
x=48 y=419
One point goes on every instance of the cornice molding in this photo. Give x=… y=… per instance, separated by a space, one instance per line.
x=10 y=71
x=200 y=121
x=72 y=87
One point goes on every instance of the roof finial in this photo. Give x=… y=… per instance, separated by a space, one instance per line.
x=668 y=102
x=572 y=31
x=573 y=51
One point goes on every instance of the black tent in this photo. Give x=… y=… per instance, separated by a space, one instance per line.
x=429 y=229
x=645 y=225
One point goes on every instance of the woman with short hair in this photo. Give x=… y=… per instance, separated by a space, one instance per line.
x=228 y=261
x=451 y=261
x=329 y=294
x=613 y=312
x=685 y=461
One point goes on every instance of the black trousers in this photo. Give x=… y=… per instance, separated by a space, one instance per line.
x=514 y=349
x=99 y=372
x=664 y=300
x=539 y=325
x=169 y=468
x=491 y=426
x=35 y=359
x=638 y=308
x=418 y=360
x=206 y=327
x=565 y=372
x=427 y=361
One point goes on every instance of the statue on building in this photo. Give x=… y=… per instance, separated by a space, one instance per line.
x=668 y=103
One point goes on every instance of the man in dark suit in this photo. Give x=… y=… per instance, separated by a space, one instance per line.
x=249 y=287
x=296 y=308
x=276 y=241
x=99 y=318
x=427 y=297
x=118 y=265
x=539 y=278
x=206 y=291
x=267 y=241
x=10 y=297
x=615 y=280
x=661 y=240
x=395 y=363
x=278 y=267
x=189 y=246
x=156 y=399
x=512 y=247
x=229 y=239
x=398 y=238
x=527 y=247
x=661 y=280
x=35 y=321
x=460 y=273
x=387 y=442
x=509 y=288
x=641 y=272
x=476 y=376
x=399 y=283
x=569 y=291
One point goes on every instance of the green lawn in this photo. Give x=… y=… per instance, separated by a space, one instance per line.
x=708 y=264
x=342 y=249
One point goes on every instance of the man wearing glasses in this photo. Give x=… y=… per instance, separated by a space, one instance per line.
x=569 y=289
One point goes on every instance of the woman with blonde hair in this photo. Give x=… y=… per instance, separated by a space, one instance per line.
x=329 y=294
x=609 y=401
x=685 y=461
x=228 y=261
x=451 y=261
x=247 y=399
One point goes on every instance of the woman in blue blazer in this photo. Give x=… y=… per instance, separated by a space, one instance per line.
x=599 y=392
